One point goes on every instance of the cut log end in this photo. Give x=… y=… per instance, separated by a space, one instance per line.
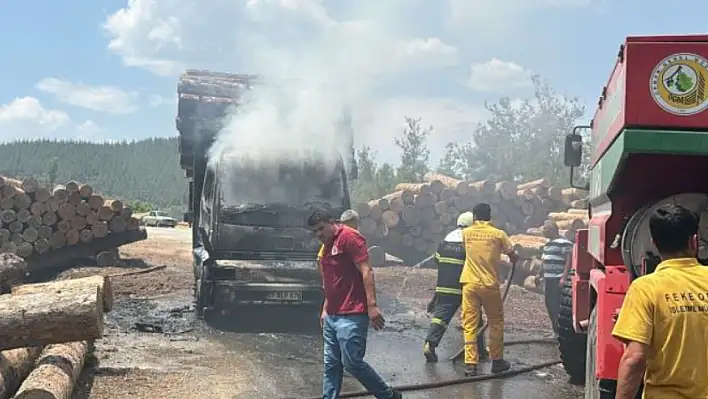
x=15 y=366
x=56 y=372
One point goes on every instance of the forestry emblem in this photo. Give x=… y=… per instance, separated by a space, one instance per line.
x=678 y=84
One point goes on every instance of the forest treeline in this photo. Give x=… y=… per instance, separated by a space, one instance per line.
x=145 y=170
x=520 y=141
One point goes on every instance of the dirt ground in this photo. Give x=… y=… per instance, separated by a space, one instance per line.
x=128 y=363
x=186 y=360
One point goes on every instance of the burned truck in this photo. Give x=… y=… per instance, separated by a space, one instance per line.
x=250 y=238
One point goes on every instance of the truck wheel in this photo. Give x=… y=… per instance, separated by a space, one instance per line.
x=595 y=389
x=571 y=344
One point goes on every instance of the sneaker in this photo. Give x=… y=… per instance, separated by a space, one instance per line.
x=471 y=370
x=499 y=366
x=429 y=353
x=396 y=395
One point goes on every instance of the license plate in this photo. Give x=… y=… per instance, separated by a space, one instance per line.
x=284 y=296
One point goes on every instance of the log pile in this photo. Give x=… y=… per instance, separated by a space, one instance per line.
x=570 y=220
x=530 y=245
x=46 y=332
x=35 y=220
x=410 y=222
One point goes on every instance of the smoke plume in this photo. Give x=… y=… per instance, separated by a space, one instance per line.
x=312 y=76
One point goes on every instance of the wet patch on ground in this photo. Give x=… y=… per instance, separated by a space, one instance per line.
x=170 y=314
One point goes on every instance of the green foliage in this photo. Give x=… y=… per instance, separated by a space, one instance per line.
x=146 y=170
x=449 y=162
x=374 y=181
x=519 y=142
x=53 y=172
x=415 y=155
x=140 y=206
x=683 y=82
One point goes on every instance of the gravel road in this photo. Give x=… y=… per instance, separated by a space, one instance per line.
x=189 y=360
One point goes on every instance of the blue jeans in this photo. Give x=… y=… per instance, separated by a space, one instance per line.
x=344 y=348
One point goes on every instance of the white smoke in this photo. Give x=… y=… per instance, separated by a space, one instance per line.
x=308 y=85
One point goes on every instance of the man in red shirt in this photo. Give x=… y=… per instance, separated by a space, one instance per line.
x=349 y=306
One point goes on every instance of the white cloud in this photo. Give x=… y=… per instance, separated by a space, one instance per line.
x=498 y=76
x=167 y=36
x=429 y=52
x=88 y=128
x=143 y=29
x=98 y=98
x=25 y=117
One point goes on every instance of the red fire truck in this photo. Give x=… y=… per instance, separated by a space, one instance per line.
x=649 y=147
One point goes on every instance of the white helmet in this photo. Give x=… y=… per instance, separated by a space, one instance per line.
x=465 y=219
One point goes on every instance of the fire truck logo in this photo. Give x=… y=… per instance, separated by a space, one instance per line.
x=678 y=84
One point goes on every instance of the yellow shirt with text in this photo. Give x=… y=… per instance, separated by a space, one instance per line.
x=484 y=245
x=668 y=311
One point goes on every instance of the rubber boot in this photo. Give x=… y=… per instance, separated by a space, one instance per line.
x=471 y=370
x=429 y=352
x=499 y=366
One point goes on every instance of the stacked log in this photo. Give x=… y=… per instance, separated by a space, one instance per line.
x=66 y=316
x=570 y=220
x=35 y=220
x=529 y=246
x=410 y=222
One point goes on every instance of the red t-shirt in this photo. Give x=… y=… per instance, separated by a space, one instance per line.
x=342 y=281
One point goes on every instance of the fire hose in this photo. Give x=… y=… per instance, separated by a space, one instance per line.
x=465 y=380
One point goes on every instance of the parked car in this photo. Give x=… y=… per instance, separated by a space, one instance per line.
x=158 y=219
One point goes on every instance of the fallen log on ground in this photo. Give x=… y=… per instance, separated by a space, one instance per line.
x=43 y=318
x=56 y=372
x=13 y=270
x=15 y=366
x=103 y=283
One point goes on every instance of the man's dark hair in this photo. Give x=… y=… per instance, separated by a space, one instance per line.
x=671 y=227
x=482 y=211
x=318 y=216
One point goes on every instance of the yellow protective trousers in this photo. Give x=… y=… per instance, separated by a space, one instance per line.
x=474 y=298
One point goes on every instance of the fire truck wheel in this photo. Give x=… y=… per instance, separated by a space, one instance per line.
x=595 y=389
x=571 y=344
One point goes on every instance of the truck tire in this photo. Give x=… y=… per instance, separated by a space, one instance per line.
x=570 y=343
x=595 y=389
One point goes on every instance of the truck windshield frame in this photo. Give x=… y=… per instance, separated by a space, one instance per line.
x=280 y=214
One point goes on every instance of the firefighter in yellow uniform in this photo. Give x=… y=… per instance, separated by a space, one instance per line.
x=450 y=259
x=664 y=318
x=484 y=245
x=349 y=218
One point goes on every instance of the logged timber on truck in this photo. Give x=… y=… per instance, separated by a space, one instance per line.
x=649 y=148
x=250 y=238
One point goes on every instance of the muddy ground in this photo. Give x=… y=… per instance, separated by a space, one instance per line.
x=154 y=348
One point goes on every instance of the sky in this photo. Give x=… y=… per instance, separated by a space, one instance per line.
x=108 y=70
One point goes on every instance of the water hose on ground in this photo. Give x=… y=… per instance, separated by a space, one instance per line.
x=465 y=380
x=446 y=383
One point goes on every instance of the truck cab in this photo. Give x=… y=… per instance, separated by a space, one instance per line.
x=251 y=243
